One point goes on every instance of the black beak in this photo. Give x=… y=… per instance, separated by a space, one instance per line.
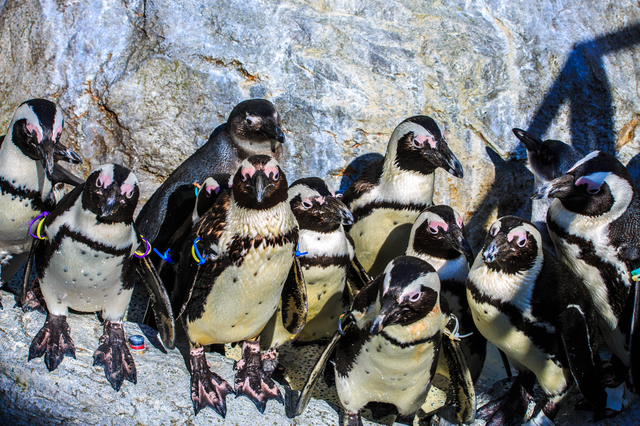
x=557 y=188
x=272 y=131
x=110 y=201
x=531 y=142
x=388 y=312
x=47 y=148
x=62 y=153
x=260 y=184
x=494 y=249
x=336 y=211
x=458 y=242
x=445 y=159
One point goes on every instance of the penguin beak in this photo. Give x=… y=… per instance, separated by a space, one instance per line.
x=335 y=210
x=445 y=159
x=389 y=311
x=272 y=131
x=62 y=153
x=458 y=242
x=531 y=142
x=494 y=249
x=109 y=203
x=47 y=147
x=557 y=188
x=261 y=185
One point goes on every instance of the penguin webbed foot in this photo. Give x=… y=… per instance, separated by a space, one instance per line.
x=208 y=389
x=53 y=341
x=34 y=300
x=114 y=356
x=353 y=419
x=253 y=376
x=509 y=409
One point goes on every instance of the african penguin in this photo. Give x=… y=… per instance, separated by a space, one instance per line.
x=595 y=226
x=86 y=262
x=390 y=194
x=29 y=172
x=437 y=237
x=253 y=127
x=392 y=338
x=236 y=267
x=538 y=312
x=548 y=160
x=326 y=255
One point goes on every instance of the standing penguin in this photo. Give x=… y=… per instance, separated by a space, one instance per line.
x=236 y=267
x=437 y=237
x=86 y=259
x=29 y=171
x=390 y=194
x=532 y=307
x=253 y=127
x=548 y=160
x=326 y=255
x=389 y=352
x=595 y=226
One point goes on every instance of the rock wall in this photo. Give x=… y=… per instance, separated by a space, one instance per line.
x=145 y=82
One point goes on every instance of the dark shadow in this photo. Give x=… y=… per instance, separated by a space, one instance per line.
x=355 y=168
x=634 y=168
x=583 y=84
x=510 y=193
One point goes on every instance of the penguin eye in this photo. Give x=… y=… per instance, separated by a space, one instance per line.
x=306 y=204
x=593 y=191
x=251 y=121
x=129 y=194
x=417 y=143
x=276 y=176
x=521 y=242
x=99 y=182
x=493 y=231
x=414 y=297
x=338 y=196
x=433 y=229
x=245 y=177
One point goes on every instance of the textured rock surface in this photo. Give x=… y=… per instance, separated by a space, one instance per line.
x=144 y=83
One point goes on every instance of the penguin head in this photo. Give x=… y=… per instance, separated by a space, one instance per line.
x=259 y=183
x=36 y=128
x=316 y=206
x=111 y=192
x=417 y=145
x=512 y=245
x=595 y=185
x=549 y=159
x=409 y=291
x=439 y=232
x=255 y=122
x=210 y=189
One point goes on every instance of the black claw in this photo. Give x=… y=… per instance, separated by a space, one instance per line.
x=208 y=389
x=53 y=341
x=114 y=356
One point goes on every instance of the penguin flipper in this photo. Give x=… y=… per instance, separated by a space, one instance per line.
x=294 y=300
x=27 y=274
x=634 y=342
x=314 y=376
x=159 y=300
x=357 y=276
x=575 y=337
x=464 y=396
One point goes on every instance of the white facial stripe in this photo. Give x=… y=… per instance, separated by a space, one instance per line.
x=593 y=181
x=25 y=112
x=129 y=184
x=58 y=123
x=273 y=163
x=429 y=280
x=458 y=218
x=303 y=190
x=584 y=160
x=106 y=174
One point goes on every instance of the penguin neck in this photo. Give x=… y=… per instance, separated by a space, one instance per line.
x=21 y=171
x=515 y=288
x=406 y=187
x=330 y=244
x=271 y=222
x=447 y=269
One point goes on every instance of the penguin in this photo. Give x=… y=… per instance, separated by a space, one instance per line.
x=86 y=258
x=593 y=222
x=548 y=160
x=236 y=267
x=29 y=172
x=535 y=309
x=391 y=192
x=327 y=257
x=389 y=342
x=437 y=237
x=253 y=127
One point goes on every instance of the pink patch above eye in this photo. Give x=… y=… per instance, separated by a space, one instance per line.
x=432 y=142
x=435 y=224
x=126 y=188
x=520 y=234
x=459 y=222
x=213 y=188
x=104 y=180
x=56 y=132
x=247 y=172
x=591 y=185
x=271 y=171
x=31 y=128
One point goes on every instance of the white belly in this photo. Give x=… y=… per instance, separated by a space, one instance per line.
x=15 y=217
x=496 y=327
x=244 y=298
x=84 y=280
